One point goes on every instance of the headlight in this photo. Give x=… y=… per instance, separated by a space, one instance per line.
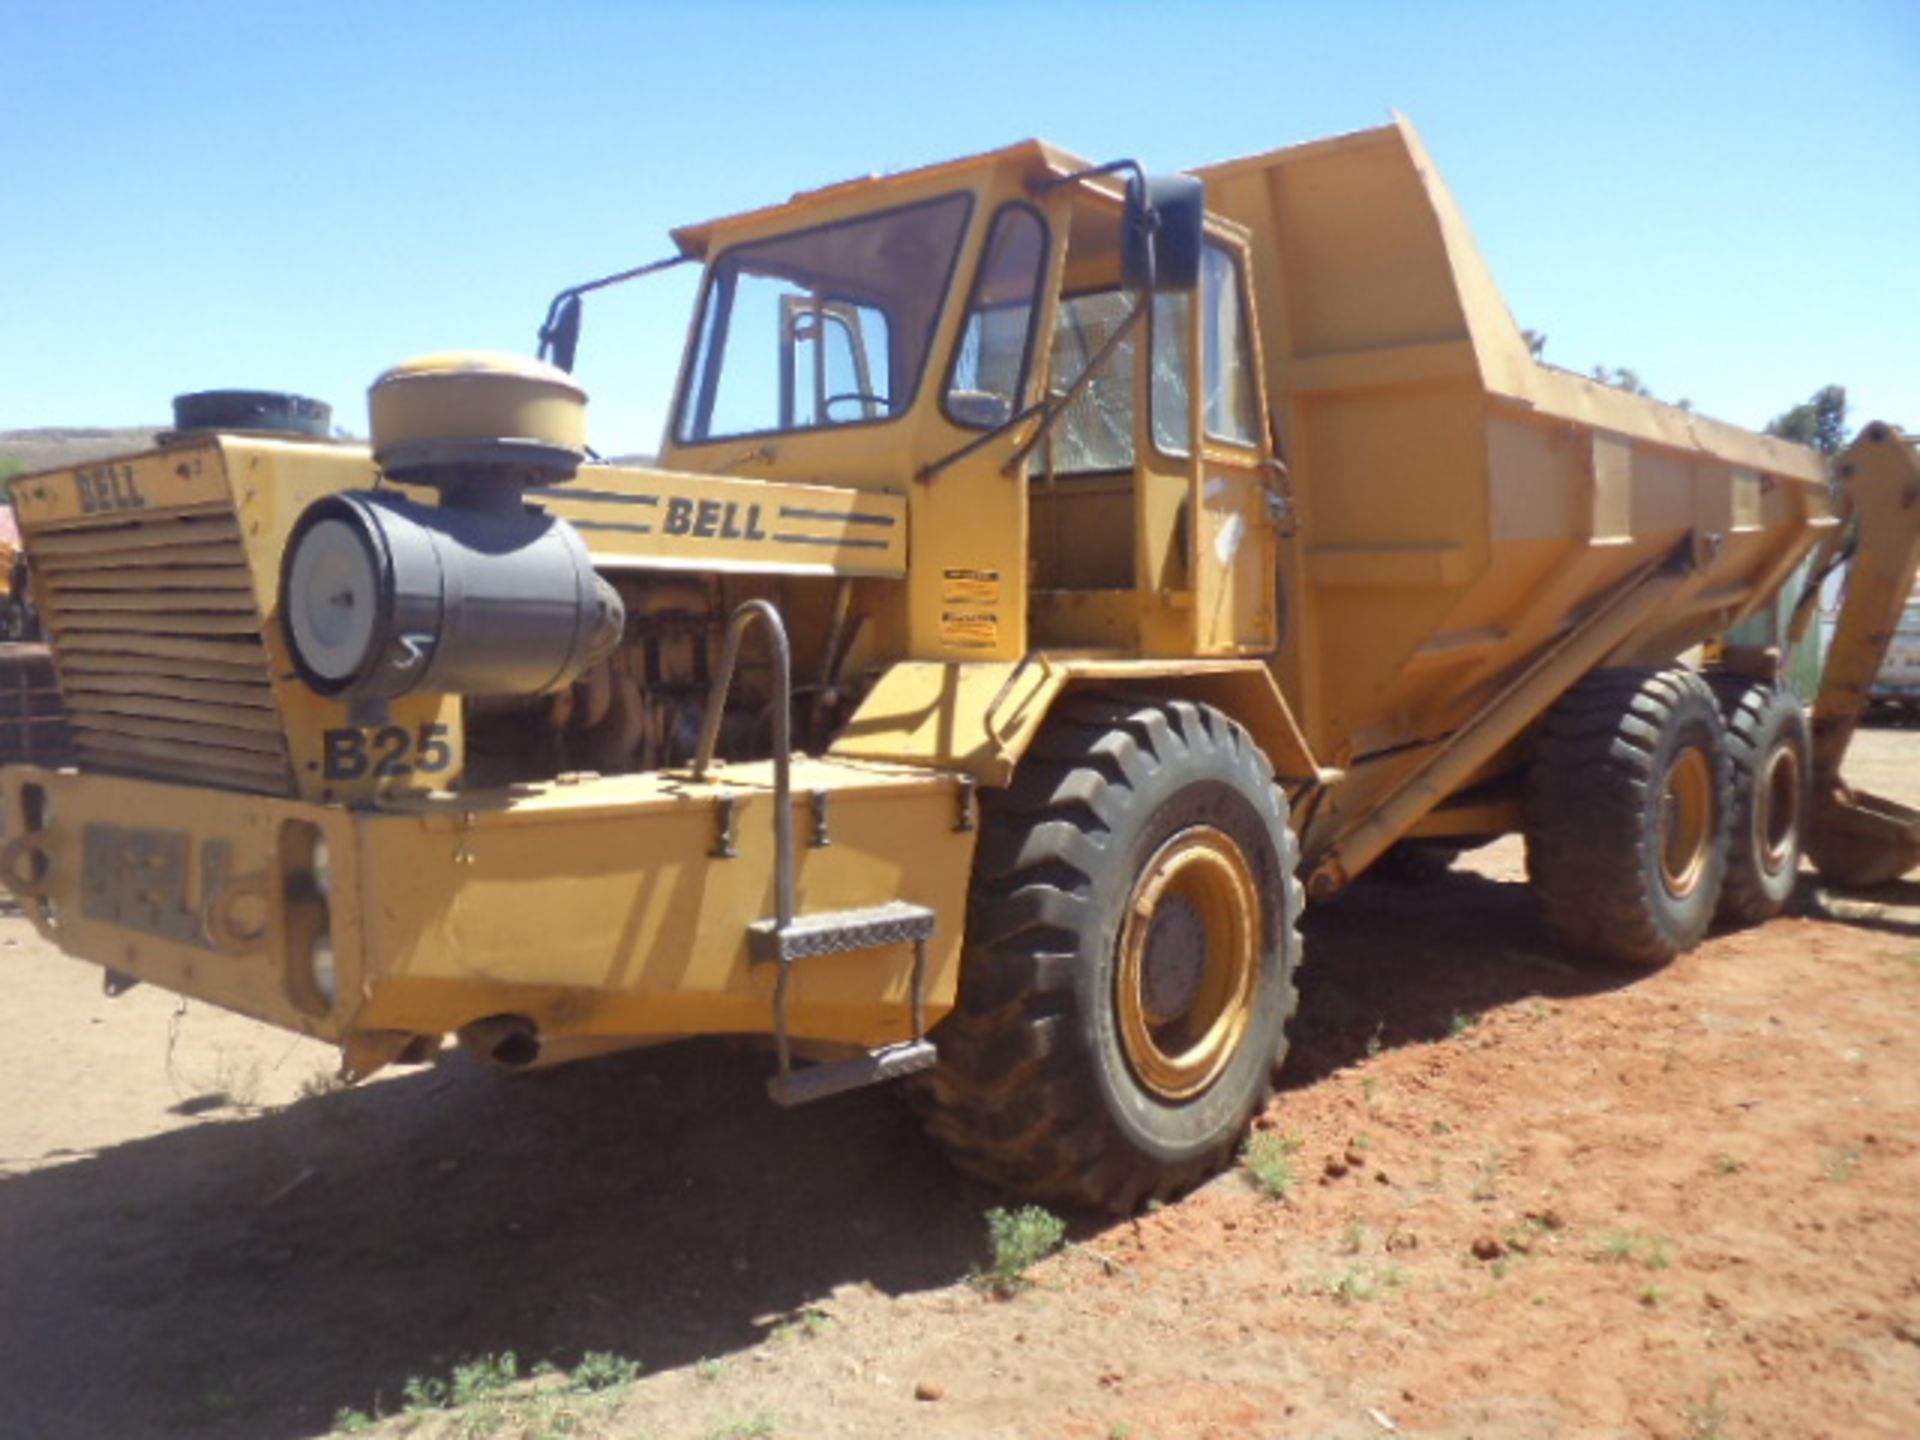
x=322 y=869
x=325 y=969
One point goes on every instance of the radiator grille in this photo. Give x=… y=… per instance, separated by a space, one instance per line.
x=157 y=642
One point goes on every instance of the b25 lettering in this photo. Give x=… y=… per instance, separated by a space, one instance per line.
x=390 y=753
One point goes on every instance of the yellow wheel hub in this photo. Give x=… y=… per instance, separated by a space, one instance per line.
x=1686 y=822
x=1188 y=963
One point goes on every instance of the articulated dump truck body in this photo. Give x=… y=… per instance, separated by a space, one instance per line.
x=1462 y=507
x=1040 y=572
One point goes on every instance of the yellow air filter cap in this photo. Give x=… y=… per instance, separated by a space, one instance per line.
x=463 y=408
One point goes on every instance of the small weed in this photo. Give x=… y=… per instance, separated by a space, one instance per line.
x=1460 y=1024
x=1440 y=1127
x=423 y=1393
x=1120 y=1430
x=1486 y=1183
x=322 y=1083
x=1840 y=1166
x=1616 y=1247
x=1708 y=1419
x=1374 y=1045
x=472 y=1380
x=482 y=1376
x=239 y=1079
x=709 y=1370
x=602 y=1370
x=757 y=1427
x=1017 y=1240
x=348 y=1421
x=1269 y=1163
x=804 y=1326
x=1652 y=1296
x=1358 y=1284
x=1623 y=1247
x=1724 y=1164
x=1354 y=1238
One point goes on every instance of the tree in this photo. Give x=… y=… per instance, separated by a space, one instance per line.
x=1621 y=378
x=1820 y=422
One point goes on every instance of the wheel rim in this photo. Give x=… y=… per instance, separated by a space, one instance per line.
x=1776 y=812
x=1188 y=963
x=1686 y=822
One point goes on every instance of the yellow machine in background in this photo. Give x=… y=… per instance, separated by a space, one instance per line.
x=1045 y=564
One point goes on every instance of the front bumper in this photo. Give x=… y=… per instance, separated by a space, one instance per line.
x=594 y=910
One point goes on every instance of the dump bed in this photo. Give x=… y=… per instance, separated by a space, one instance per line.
x=1461 y=504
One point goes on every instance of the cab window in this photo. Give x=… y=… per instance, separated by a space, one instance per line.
x=1229 y=410
x=1096 y=433
x=996 y=342
x=823 y=327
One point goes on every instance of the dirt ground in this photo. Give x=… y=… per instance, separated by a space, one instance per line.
x=1533 y=1201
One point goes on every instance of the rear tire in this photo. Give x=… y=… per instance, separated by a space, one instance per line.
x=1128 y=973
x=1627 y=805
x=1769 y=747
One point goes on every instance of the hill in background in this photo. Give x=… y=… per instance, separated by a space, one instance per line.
x=53 y=447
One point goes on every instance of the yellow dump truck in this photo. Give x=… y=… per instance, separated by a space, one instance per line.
x=1048 y=567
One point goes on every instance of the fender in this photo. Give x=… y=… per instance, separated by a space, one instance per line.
x=980 y=717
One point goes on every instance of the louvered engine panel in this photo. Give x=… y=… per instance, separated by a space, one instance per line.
x=157 y=642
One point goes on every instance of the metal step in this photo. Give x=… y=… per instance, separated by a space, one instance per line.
x=837 y=932
x=876 y=1067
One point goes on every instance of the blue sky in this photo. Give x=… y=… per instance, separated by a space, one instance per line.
x=1724 y=197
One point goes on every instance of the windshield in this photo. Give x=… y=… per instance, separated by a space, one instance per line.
x=829 y=326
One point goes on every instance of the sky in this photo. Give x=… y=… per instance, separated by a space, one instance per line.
x=1724 y=198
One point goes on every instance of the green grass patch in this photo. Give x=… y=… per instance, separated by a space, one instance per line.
x=1017 y=1240
x=1269 y=1163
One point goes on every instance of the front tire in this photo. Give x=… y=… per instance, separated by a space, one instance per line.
x=1128 y=974
x=1627 y=806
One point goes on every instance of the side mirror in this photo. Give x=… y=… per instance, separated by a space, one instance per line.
x=1165 y=222
x=560 y=336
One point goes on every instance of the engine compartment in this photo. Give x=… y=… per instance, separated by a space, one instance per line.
x=641 y=706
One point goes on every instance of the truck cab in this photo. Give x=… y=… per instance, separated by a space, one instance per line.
x=914 y=344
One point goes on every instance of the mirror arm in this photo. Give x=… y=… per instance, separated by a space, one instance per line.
x=1112 y=167
x=549 y=327
x=1079 y=386
x=932 y=468
x=1049 y=411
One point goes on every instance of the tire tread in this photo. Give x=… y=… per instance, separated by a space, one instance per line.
x=1011 y=1096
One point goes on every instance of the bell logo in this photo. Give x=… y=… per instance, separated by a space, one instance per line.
x=713 y=519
